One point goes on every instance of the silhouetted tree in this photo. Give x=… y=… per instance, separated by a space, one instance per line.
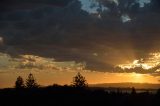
x=133 y=90
x=79 y=81
x=31 y=82
x=19 y=83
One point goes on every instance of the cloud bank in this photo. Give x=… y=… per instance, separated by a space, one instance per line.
x=101 y=33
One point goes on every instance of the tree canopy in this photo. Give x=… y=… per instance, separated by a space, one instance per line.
x=31 y=82
x=19 y=83
x=79 y=81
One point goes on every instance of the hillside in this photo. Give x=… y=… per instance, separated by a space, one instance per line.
x=128 y=85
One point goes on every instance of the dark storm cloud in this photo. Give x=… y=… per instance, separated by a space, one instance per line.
x=61 y=29
x=54 y=2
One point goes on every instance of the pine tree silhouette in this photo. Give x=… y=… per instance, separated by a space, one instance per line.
x=31 y=82
x=19 y=83
x=133 y=90
x=79 y=81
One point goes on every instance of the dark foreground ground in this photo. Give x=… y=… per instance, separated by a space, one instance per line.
x=68 y=96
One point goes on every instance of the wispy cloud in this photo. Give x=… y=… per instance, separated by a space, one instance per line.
x=125 y=18
x=37 y=63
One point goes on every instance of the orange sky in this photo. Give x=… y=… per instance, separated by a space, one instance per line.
x=50 y=77
x=47 y=71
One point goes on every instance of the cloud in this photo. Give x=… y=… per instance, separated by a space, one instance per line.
x=48 y=71
x=92 y=7
x=56 y=2
x=69 y=33
x=115 y=1
x=143 y=2
x=149 y=65
x=125 y=18
x=37 y=63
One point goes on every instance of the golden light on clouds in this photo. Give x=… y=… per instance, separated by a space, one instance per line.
x=48 y=71
x=136 y=63
x=146 y=63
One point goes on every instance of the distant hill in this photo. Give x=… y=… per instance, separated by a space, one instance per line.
x=127 y=85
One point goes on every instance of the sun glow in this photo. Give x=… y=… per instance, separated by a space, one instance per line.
x=49 y=71
x=138 y=78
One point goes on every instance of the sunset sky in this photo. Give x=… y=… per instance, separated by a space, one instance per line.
x=108 y=41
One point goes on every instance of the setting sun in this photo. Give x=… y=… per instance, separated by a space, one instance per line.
x=138 y=78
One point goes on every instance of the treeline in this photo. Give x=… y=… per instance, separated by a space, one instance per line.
x=29 y=93
x=79 y=81
x=72 y=96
